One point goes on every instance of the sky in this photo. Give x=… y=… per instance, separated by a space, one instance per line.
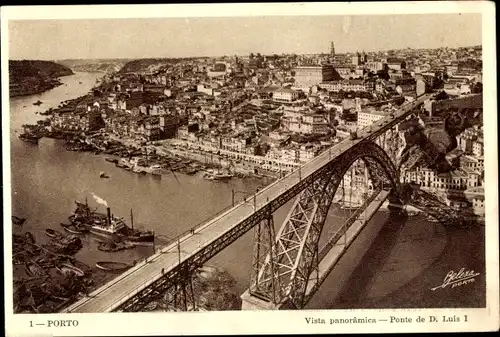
x=188 y=37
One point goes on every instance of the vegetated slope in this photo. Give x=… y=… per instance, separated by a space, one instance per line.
x=141 y=65
x=150 y=64
x=94 y=65
x=28 y=77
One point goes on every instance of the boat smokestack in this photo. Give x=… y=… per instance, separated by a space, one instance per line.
x=109 y=215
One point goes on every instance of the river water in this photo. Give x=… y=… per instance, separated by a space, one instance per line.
x=47 y=179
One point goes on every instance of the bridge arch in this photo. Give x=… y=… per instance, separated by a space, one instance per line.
x=285 y=273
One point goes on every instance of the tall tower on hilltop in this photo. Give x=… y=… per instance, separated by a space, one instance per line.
x=332 y=50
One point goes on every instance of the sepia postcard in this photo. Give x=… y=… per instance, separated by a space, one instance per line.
x=250 y=168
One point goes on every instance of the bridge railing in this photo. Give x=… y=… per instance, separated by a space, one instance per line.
x=301 y=173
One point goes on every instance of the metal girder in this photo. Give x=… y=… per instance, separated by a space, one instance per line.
x=155 y=291
x=289 y=265
x=264 y=238
x=329 y=244
x=320 y=191
x=365 y=149
x=391 y=142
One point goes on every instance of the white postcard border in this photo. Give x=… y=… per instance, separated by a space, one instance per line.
x=290 y=322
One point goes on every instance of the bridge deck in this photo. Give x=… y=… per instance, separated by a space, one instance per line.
x=110 y=296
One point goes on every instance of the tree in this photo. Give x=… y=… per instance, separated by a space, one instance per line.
x=477 y=88
x=382 y=74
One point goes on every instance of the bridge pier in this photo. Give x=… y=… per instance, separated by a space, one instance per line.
x=395 y=202
x=251 y=302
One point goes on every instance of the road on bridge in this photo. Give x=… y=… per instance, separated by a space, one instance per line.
x=110 y=296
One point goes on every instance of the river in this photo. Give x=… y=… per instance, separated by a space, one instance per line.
x=47 y=179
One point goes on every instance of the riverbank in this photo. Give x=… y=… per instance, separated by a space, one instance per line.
x=127 y=153
x=244 y=168
x=27 y=90
x=29 y=77
x=45 y=281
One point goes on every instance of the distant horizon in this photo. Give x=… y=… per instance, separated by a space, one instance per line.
x=230 y=55
x=202 y=36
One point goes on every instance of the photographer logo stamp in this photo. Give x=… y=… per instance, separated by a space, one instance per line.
x=457 y=279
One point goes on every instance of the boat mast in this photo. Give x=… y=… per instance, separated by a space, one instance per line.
x=87 y=207
x=132 y=218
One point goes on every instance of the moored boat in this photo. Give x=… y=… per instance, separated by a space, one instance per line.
x=74 y=228
x=113 y=265
x=68 y=268
x=111 y=160
x=139 y=169
x=155 y=169
x=34 y=270
x=51 y=249
x=82 y=266
x=52 y=233
x=430 y=218
x=124 y=163
x=30 y=238
x=190 y=171
x=69 y=244
x=18 y=221
x=349 y=207
x=106 y=225
x=210 y=174
x=114 y=246
x=222 y=176
x=30 y=138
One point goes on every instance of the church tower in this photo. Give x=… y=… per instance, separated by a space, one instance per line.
x=332 y=50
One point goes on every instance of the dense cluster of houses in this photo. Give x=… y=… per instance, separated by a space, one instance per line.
x=284 y=108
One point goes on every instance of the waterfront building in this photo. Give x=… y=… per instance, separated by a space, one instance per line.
x=375 y=66
x=206 y=89
x=346 y=72
x=431 y=122
x=370 y=115
x=285 y=95
x=157 y=88
x=454 y=181
x=408 y=91
x=478 y=147
x=471 y=162
x=70 y=121
x=306 y=77
x=421 y=87
x=306 y=121
x=451 y=69
x=349 y=85
x=465 y=89
x=396 y=63
x=359 y=59
x=308 y=152
x=476 y=196
x=471 y=142
x=235 y=144
x=456 y=187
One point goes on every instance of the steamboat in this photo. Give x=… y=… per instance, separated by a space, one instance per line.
x=107 y=225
